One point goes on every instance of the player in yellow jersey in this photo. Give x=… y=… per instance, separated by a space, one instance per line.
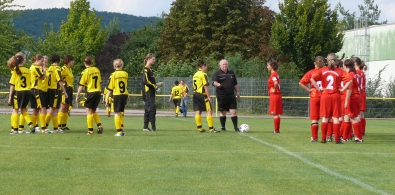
x=54 y=94
x=68 y=79
x=91 y=81
x=20 y=87
x=176 y=94
x=37 y=98
x=201 y=98
x=118 y=88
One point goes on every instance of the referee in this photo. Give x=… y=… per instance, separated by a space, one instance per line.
x=226 y=85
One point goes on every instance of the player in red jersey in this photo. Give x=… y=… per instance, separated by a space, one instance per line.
x=315 y=96
x=330 y=77
x=352 y=102
x=359 y=67
x=276 y=101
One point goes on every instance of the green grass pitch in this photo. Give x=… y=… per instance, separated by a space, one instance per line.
x=178 y=160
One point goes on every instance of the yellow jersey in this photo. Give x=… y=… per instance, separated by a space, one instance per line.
x=200 y=80
x=21 y=82
x=118 y=83
x=54 y=76
x=36 y=73
x=91 y=79
x=177 y=92
x=67 y=76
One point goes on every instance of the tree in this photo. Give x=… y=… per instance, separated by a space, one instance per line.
x=305 y=29
x=367 y=10
x=142 y=42
x=11 y=40
x=196 y=29
x=113 y=27
x=81 y=34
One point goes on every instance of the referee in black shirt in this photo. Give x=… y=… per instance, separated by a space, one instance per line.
x=226 y=85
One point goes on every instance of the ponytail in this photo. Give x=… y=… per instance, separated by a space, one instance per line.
x=147 y=57
x=15 y=61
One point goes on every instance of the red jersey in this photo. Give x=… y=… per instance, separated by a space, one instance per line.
x=354 y=87
x=270 y=83
x=331 y=79
x=361 y=81
x=343 y=82
x=306 y=80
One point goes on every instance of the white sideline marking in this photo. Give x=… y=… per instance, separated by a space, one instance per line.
x=327 y=170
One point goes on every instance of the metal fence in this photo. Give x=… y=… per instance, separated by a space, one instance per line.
x=254 y=97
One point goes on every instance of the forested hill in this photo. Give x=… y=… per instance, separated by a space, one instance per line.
x=32 y=21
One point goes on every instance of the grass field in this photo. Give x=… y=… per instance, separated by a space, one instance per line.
x=178 y=160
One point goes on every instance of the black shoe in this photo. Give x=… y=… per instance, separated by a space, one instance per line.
x=223 y=129
x=181 y=111
x=237 y=130
x=201 y=131
x=153 y=129
x=339 y=143
x=100 y=130
x=323 y=142
x=66 y=129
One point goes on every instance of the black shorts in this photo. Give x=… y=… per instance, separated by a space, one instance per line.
x=92 y=100
x=226 y=102
x=54 y=98
x=37 y=99
x=69 y=100
x=177 y=102
x=20 y=99
x=201 y=103
x=120 y=102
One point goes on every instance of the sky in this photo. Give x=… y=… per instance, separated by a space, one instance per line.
x=156 y=7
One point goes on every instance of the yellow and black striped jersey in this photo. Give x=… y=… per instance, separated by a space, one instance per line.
x=118 y=83
x=91 y=79
x=54 y=76
x=21 y=82
x=67 y=76
x=36 y=73
x=177 y=92
x=200 y=80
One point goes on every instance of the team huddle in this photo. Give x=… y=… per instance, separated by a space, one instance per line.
x=338 y=95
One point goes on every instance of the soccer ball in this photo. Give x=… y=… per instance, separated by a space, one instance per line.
x=244 y=128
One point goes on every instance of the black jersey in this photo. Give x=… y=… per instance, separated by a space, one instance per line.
x=227 y=80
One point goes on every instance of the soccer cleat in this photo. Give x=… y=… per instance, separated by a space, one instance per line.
x=123 y=132
x=90 y=132
x=119 y=134
x=329 y=139
x=65 y=129
x=237 y=130
x=23 y=131
x=176 y=115
x=181 y=111
x=339 y=143
x=223 y=129
x=47 y=131
x=58 y=131
x=32 y=129
x=13 y=132
x=100 y=130
x=201 y=131
x=313 y=140
x=154 y=129
x=214 y=131
x=343 y=140
x=276 y=131
x=358 y=140
x=323 y=142
x=147 y=129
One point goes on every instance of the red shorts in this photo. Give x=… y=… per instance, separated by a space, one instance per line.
x=315 y=108
x=353 y=108
x=276 y=104
x=330 y=105
x=363 y=101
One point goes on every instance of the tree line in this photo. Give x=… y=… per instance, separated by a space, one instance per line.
x=246 y=32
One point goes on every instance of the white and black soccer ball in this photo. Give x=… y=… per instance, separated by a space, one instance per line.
x=244 y=128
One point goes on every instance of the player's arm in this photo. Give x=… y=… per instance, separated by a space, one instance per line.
x=236 y=87
x=146 y=80
x=12 y=88
x=207 y=90
x=346 y=86
x=315 y=84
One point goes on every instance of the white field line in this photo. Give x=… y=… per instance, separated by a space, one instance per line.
x=323 y=168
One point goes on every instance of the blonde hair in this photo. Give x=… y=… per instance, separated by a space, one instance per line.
x=118 y=63
x=147 y=57
x=332 y=60
x=15 y=61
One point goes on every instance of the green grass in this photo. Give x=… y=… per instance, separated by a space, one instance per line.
x=178 y=160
